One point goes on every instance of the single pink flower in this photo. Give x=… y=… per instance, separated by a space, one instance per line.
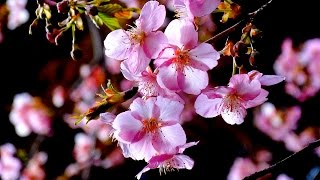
x=34 y=168
x=29 y=114
x=83 y=148
x=9 y=165
x=188 y=9
x=277 y=123
x=18 y=14
x=169 y=161
x=183 y=65
x=140 y=44
x=151 y=127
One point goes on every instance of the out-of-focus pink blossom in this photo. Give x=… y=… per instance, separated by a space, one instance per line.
x=243 y=167
x=189 y=9
x=283 y=177
x=169 y=161
x=277 y=123
x=34 y=168
x=29 y=114
x=9 y=165
x=183 y=65
x=83 y=148
x=18 y=14
x=151 y=127
x=112 y=65
x=140 y=44
x=301 y=68
x=58 y=96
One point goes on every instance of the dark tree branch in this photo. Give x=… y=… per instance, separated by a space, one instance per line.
x=249 y=16
x=278 y=165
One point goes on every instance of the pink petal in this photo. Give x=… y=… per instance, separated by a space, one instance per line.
x=144 y=108
x=245 y=88
x=182 y=162
x=185 y=146
x=201 y=8
x=154 y=43
x=127 y=128
x=107 y=117
x=168 y=138
x=152 y=16
x=207 y=107
x=117 y=45
x=167 y=77
x=182 y=34
x=261 y=98
x=233 y=113
x=169 y=109
x=142 y=149
x=205 y=54
x=145 y=169
x=137 y=60
x=268 y=80
x=194 y=80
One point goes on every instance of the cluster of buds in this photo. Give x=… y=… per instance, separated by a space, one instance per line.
x=101 y=12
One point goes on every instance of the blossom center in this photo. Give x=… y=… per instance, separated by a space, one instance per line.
x=181 y=11
x=151 y=125
x=182 y=59
x=136 y=35
x=230 y=103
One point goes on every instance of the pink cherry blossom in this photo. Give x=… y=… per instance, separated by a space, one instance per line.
x=9 y=165
x=183 y=65
x=141 y=43
x=232 y=101
x=18 y=14
x=170 y=161
x=29 y=114
x=188 y=9
x=34 y=168
x=277 y=123
x=83 y=148
x=151 y=127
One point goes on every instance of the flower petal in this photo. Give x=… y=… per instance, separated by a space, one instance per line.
x=207 y=107
x=205 y=54
x=169 y=109
x=142 y=149
x=194 y=80
x=245 y=88
x=127 y=128
x=143 y=108
x=167 y=77
x=182 y=162
x=182 y=33
x=261 y=98
x=154 y=43
x=268 y=80
x=201 y=8
x=168 y=138
x=152 y=16
x=118 y=45
x=233 y=112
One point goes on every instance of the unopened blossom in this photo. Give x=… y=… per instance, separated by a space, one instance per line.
x=183 y=65
x=243 y=91
x=138 y=45
x=150 y=127
x=29 y=114
x=34 y=168
x=189 y=9
x=277 y=123
x=18 y=14
x=170 y=161
x=9 y=165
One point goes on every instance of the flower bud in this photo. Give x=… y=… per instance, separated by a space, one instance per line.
x=239 y=48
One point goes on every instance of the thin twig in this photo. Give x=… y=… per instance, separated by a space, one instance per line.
x=232 y=28
x=286 y=160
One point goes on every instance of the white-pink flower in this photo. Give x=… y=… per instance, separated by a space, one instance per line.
x=169 y=161
x=183 y=65
x=151 y=127
x=9 y=165
x=29 y=114
x=83 y=148
x=18 y=14
x=138 y=45
x=34 y=169
x=188 y=9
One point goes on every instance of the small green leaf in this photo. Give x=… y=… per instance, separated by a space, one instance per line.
x=111 y=22
x=110 y=9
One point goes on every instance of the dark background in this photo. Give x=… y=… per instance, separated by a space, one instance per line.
x=29 y=63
